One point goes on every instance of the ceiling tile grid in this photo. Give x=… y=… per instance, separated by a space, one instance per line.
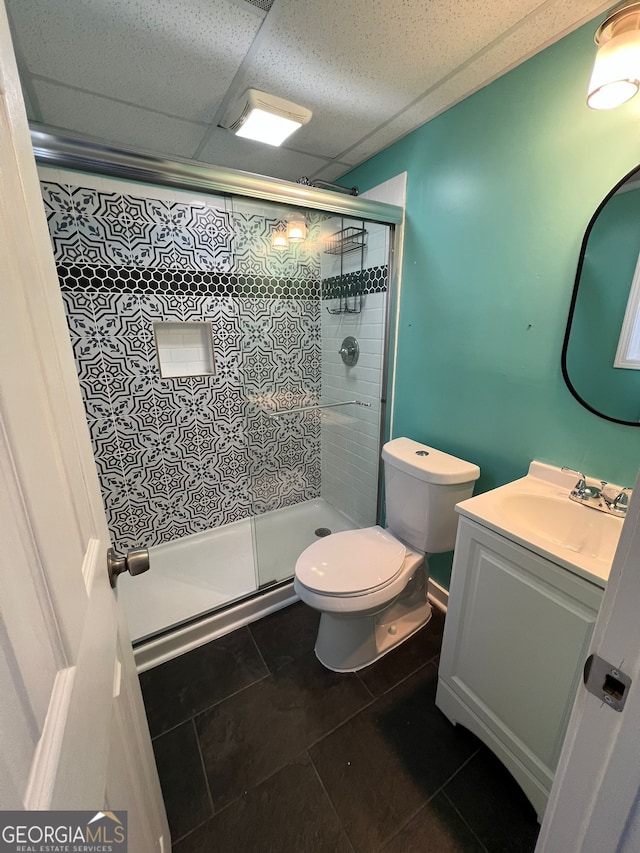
x=114 y=121
x=224 y=149
x=361 y=62
x=522 y=42
x=177 y=58
x=160 y=76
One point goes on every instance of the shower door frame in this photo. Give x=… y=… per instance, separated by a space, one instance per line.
x=69 y=152
x=81 y=155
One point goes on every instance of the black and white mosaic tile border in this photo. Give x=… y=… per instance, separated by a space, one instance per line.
x=372 y=280
x=151 y=280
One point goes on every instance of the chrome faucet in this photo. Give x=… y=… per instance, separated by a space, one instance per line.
x=605 y=497
x=584 y=491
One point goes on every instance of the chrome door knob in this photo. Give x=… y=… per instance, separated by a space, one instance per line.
x=135 y=562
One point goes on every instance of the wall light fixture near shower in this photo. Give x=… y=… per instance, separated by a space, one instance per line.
x=266 y=118
x=296 y=227
x=279 y=238
x=293 y=230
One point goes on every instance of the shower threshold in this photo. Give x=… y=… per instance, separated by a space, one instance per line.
x=204 y=572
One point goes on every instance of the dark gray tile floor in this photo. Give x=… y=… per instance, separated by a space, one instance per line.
x=262 y=750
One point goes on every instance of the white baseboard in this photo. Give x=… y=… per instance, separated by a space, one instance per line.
x=174 y=643
x=438 y=595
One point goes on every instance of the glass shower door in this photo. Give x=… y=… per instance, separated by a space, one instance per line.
x=284 y=438
x=314 y=465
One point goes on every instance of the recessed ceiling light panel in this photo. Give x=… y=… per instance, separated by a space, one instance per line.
x=266 y=118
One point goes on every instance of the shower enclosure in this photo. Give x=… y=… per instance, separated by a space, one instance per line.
x=228 y=429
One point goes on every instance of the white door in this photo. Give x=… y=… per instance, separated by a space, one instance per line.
x=594 y=805
x=73 y=729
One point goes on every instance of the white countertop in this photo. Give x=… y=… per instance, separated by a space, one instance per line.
x=537 y=513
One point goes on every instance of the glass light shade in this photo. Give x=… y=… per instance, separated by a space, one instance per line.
x=267 y=127
x=616 y=73
x=279 y=240
x=296 y=229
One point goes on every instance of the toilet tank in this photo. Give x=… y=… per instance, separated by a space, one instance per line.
x=422 y=487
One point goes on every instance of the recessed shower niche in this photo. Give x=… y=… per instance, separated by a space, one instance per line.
x=184 y=349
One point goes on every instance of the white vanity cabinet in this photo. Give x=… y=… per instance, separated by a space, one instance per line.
x=517 y=634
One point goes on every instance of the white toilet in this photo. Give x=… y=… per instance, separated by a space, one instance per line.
x=370 y=585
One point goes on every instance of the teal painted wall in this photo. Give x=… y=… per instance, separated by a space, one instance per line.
x=605 y=281
x=500 y=190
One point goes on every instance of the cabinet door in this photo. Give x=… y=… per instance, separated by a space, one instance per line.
x=517 y=634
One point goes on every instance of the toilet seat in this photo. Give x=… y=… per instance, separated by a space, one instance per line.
x=351 y=563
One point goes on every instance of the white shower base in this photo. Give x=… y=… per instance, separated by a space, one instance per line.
x=199 y=573
x=283 y=534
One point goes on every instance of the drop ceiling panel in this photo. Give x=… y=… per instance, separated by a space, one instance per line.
x=331 y=172
x=371 y=70
x=175 y=57
x=356 y=64
x=104 y=119
x=225 y=149
x=539 y=30
x=29 y=105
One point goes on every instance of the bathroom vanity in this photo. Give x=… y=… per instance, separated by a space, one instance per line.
x=529 y=572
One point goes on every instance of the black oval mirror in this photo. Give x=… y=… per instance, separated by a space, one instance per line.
x=601 y=350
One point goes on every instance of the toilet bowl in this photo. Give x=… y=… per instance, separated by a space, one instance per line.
x=353 y=578
x=370 y=585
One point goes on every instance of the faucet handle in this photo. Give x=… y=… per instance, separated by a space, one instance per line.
x=621 y=501
x=616 y=498
x=610 y=493
x=580 y=487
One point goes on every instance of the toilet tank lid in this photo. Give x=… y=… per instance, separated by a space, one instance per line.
x=427 y=463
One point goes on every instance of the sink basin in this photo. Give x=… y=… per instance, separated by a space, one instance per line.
x=567 y=524
x=536 y=512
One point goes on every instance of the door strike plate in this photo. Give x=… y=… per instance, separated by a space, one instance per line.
x=606 y=681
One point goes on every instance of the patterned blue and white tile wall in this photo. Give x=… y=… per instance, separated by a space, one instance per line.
x=177 y=456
